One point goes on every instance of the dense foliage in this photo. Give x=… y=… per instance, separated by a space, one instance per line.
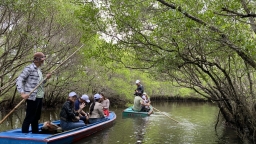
x=58 y=28
x=207 y=46
x=48 y=26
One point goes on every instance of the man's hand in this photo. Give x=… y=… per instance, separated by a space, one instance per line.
x=24 y=96
x=83 y=113
x=48 y=75
x=82 y=106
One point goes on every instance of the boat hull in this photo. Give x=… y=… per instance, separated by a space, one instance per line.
x=130 y=113
x=16 y=137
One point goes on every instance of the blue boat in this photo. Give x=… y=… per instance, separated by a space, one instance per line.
x=15 y=136
x=128 y=112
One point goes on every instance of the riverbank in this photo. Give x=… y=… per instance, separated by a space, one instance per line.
x=118 y=102
x=178 y=98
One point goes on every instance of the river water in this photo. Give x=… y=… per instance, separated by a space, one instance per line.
x=196 y=126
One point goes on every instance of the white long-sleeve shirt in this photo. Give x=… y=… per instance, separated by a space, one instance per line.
x=105 y=103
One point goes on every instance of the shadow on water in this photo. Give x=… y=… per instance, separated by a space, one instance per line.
x=196 y=125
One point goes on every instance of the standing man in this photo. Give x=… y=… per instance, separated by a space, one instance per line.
x=29 y=78
x=140 y=89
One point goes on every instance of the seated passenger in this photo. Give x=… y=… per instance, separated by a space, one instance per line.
x=147 y=97
x=69 y=119
x=105 y=103
x=82 y=100
x=139 y=104
x=147 y=101
x=96 y=110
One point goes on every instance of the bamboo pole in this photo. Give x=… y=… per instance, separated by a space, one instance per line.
x=38 y=86
x=166 y=115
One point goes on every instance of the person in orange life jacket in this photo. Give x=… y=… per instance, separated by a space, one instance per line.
x=96 y=109
x=84 y=99
x=105 y=103
x=69 y=118
x=29 y=78
x=140 y=89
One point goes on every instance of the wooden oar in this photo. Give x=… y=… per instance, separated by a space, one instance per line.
x=166 y=115
x=37 y=87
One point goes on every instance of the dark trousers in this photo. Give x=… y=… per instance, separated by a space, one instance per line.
x=33 y=114
x=144 y=109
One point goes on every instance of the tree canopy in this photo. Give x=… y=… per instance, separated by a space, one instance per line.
x=207 y=46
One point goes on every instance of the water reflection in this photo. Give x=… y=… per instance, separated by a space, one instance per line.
x=102 y=137
x=139 y=126
x=13 y=121
x=196 y=125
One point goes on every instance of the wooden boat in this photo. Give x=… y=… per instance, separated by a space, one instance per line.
x=131 y=113
x=16 y=137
